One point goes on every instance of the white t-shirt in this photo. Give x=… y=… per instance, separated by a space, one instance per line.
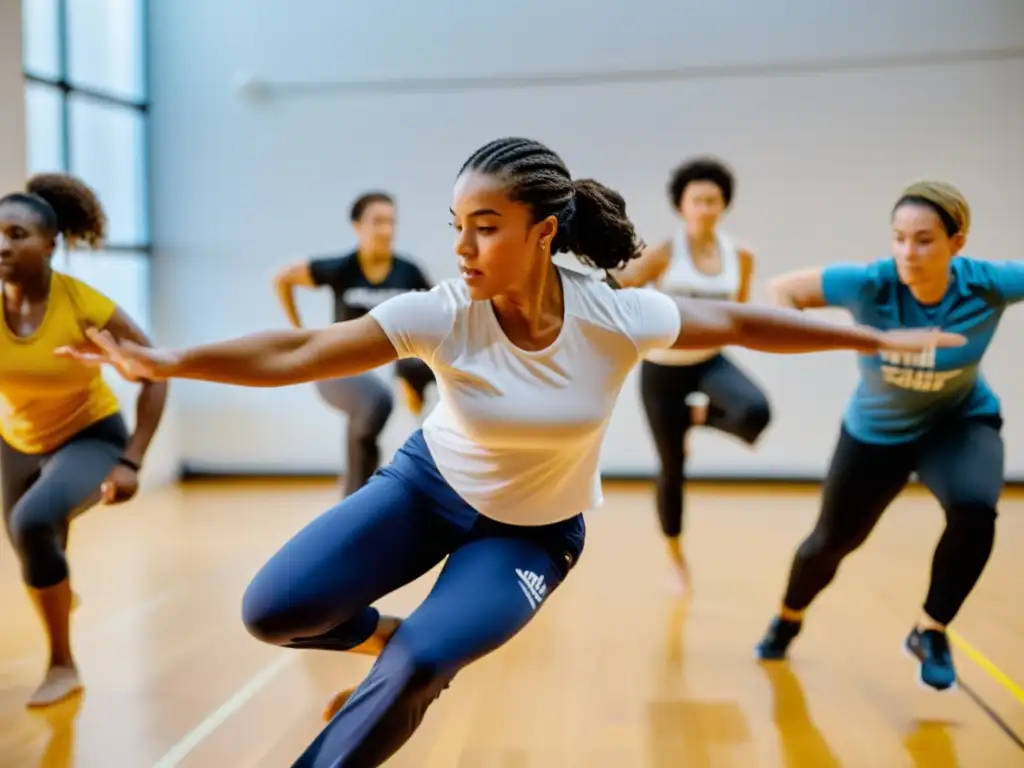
x=516 y=433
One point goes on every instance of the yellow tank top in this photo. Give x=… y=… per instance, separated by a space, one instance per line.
x=45 y=400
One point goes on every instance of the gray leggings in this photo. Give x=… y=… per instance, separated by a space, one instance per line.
x=43 y=492
x=367 y=401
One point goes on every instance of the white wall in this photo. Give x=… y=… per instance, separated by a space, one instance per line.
x=12 y=96
x=826 y=109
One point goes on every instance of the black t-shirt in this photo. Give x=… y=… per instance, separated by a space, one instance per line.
x=354 y=295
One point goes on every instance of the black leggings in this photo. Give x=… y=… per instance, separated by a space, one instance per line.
x=736 y=406
x=960 y=463
x=42 y=492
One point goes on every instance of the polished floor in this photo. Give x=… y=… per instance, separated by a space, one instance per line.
x=613 y=672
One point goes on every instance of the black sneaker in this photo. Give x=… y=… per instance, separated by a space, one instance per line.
x=931 y=648
x=776 y=640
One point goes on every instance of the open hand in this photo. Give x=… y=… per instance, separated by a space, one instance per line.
x=133 y=361
x=919 y=339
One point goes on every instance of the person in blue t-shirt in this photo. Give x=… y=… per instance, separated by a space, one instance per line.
x=931 y=413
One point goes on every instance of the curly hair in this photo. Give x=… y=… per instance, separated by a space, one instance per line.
x=67 y=207
x=701 y=169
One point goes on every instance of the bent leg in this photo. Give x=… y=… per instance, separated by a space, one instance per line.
x=488 y=591
x=38 y=524
x=367 y=402
x=964 y=468
x=737 y=405
x=316 y=591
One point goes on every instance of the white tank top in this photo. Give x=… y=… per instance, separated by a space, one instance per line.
x=682 y=278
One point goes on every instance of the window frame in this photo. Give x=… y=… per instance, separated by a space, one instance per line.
x=67 y=88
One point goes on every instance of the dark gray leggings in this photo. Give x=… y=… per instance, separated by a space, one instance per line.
x=367 y=401
x=43 y=492
x=960 y=462
x=736 y=406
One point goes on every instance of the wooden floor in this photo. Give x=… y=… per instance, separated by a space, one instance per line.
x=614 y=672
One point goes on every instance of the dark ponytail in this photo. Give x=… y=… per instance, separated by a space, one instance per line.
x=599 y=234
x=67 y=207
x=592 y=221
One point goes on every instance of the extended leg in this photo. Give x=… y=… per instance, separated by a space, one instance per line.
x=38 y=527
x=862 y=481
x=488 y=591
x=737 y=405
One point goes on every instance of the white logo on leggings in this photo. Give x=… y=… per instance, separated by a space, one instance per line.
x=533 y=586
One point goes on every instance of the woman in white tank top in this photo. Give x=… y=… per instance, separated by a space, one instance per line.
x=530 y=360
x=684 y=388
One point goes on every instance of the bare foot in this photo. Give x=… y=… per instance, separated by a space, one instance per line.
x=59 y=684
x=681 y=582
x=372 y=646
x=336 y=704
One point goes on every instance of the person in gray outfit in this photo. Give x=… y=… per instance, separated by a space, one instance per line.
x=360 y=280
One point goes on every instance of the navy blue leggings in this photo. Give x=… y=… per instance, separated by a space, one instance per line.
x=317 y=591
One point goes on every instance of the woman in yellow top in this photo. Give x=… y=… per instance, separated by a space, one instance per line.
x=64 y=444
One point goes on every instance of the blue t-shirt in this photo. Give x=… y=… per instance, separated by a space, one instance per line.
x=902 y=395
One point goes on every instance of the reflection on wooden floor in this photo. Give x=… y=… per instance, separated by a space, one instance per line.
x=614 y=672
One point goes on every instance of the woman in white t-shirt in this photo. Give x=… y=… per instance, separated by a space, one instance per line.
x=681 y=388
x=530 y=359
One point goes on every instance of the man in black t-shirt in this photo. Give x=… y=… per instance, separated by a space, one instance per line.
x=360 y=280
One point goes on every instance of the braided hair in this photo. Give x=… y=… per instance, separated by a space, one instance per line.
x=592 y=221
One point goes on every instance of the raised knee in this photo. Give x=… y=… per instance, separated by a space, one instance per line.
x=22 y=529
x=271 y=615
x=38 y=546
x=266 y=617
x=756 y=418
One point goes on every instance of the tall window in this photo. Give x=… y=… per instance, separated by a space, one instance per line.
x=86 y=109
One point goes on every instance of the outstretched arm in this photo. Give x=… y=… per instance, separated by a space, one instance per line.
x=798 y=290
x=706 y=323
x=267 y=359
